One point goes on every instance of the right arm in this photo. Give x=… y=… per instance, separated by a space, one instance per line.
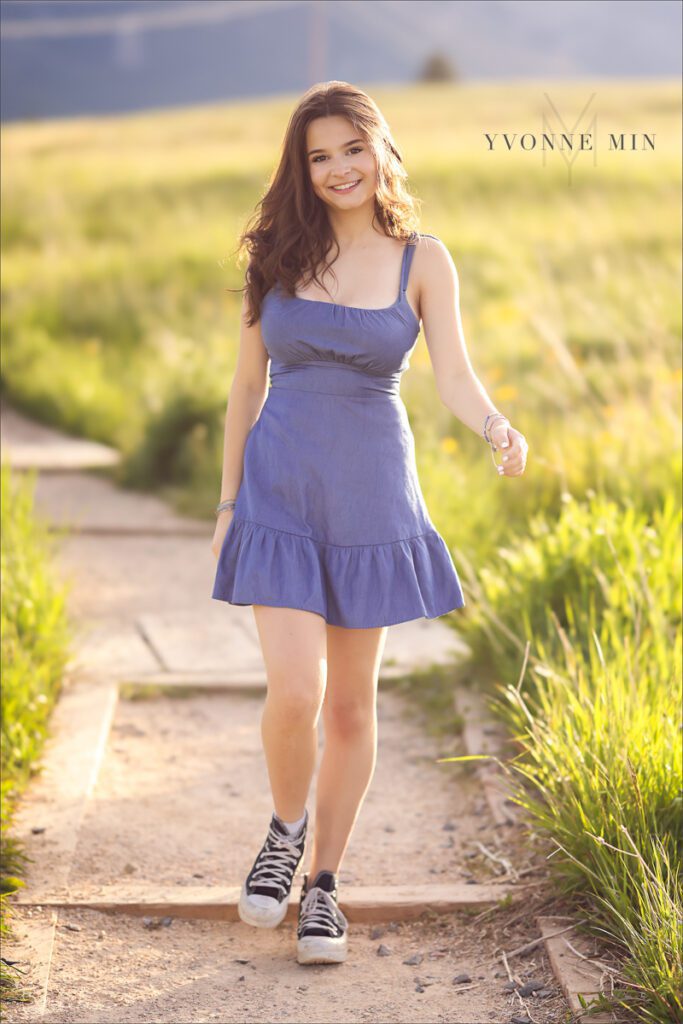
x=247 y=395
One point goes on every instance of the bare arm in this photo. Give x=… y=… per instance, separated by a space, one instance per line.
x=458 y=386
x=247 y=395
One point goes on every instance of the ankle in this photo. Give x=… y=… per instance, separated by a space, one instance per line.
x=312 y=872
x=292 y=826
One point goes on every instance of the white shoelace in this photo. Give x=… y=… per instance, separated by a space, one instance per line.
x=319 y=908
x=277 y=862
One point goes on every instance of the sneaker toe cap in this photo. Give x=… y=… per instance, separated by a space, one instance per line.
x=260 y=902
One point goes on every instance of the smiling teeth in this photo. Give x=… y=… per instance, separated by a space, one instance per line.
x=344 y=188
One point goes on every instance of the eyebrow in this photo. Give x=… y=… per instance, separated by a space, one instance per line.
x=312 y=151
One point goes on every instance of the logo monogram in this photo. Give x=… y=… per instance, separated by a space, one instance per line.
x=589 y=131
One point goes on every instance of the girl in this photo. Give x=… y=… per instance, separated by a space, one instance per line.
x=322 y=526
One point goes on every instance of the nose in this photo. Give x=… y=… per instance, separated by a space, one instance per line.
x=341 y=173
x=341 y=179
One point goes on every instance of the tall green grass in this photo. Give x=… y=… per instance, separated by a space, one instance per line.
x=578 y=625
x=35 y=640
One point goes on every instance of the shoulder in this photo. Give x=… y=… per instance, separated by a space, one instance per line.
x=433 y=262
x=431 y=248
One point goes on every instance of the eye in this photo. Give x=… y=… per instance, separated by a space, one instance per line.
x=353 y=149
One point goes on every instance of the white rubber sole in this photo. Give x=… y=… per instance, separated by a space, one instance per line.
x=260 y=917
x=318 y=949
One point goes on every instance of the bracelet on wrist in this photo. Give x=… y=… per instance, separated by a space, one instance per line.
x=229 y=503
x=493 y=416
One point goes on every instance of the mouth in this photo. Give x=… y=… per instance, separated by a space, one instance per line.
x=348 y=187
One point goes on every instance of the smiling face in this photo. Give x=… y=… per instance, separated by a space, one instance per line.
x=338 y=155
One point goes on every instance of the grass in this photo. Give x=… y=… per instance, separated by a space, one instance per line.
x=588 y=612
x=35 y=640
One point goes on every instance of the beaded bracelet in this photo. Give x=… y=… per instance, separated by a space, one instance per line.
x=229 y=503
x=493 y=416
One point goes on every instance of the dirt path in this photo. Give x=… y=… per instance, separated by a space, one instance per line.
x=182 y=798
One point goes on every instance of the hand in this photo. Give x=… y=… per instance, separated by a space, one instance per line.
x=513 y=446
x=223 y=521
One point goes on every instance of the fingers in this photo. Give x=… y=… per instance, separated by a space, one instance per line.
x=513 y=460
x=515 y=468
x=513 y=457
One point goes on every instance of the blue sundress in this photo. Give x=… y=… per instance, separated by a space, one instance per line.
x=330 y=516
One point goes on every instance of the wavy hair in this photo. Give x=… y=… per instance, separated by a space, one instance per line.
x=289 y=234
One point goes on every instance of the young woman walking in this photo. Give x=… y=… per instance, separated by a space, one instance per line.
x=322 y=526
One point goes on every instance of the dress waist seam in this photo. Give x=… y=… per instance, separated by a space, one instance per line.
x=328 y=544
x=336 y=394
x=338 y=365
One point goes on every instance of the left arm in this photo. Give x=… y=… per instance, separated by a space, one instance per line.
x=457 y=384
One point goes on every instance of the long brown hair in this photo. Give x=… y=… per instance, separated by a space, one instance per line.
x=290 y=232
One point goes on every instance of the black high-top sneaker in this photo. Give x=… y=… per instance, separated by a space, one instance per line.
x=265 y=894
x=321 y=936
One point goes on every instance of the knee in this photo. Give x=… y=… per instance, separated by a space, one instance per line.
x=349 y=719
x=296 y=704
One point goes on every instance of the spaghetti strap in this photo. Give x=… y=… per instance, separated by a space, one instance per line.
x=408 y=253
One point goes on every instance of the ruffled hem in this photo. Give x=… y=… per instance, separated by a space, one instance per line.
x=358 y=586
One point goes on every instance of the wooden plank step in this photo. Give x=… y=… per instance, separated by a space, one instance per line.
x=77 y=502
x=359 y=903
x=482 y=734
x=58 y=457
x=214 y=644
x=27 y=444
x=70 y=764
x=576 y=976
x=246 y=681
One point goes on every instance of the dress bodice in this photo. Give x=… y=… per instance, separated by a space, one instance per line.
x=299 y=331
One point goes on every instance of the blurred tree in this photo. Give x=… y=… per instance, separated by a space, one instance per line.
x=438 y=68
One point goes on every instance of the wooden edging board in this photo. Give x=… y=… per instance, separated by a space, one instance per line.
x=482 y=735
x=70 y=764
x=578 y=977
x=359 y=903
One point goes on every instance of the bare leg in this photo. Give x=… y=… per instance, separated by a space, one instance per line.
x=294 y=650
x=350 y=752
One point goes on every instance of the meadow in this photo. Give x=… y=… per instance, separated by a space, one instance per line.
x=119 y=237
